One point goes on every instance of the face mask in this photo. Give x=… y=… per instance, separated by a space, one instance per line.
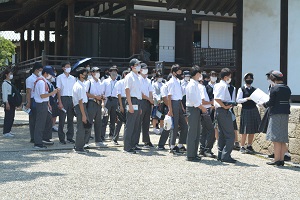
x=88 y=68
x=11 y=76
x=249 y=82
x=213 y=79
x=228 y=81
x=49 y=77
x=186 y=78
x=114 y=74
x=97 y=75
x=200 y=78
x=55 y=74
x=159 y=80
x=68 y=70
x=178 y=76
x=144 y=71
x=40 y=73
x=52 y=80
x=89 y=77
x=138 y=68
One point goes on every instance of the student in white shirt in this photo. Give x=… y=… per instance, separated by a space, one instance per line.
x=133 y=97
x=36 y=72
x=224 y=117
x=146 y=103
x=9 y=108
x=183 y=83
x=194 y=108
x=95 y=93
x=121 y=103
x=80 y=100
x=43 y=124
x=110 y=93
x=65 y=83
x=157 y=84
x=176 y=110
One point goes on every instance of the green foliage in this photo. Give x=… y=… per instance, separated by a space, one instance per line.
x=7 y=49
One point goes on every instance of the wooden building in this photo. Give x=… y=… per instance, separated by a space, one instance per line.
x=245 y=35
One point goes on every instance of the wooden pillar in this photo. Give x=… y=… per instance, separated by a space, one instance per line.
x=71 y=16
x=239 y=44
x=57 y=30
x=110 y=9
x=22 y=47
x=189 y=37
x=284 y=39
x=137 y=35
x=29 y=48
x=37 y=40
x=47 y=35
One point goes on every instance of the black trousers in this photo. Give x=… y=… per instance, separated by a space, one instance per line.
x=9 y=117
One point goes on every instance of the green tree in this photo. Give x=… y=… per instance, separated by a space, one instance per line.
x=7 y=49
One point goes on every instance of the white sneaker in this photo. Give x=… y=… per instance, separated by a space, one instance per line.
x=100 y=144
x=8 y=135
x=55 y=129
x=12 y=133
x=156 y=131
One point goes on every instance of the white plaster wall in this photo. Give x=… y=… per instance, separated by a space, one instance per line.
x=216 y=35
x=293 y=46
x=167 y=41
x=261 y=39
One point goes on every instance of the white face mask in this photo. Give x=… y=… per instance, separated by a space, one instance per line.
x=97 y=75
x=68 y=70
x=88 y=68
x=159 y=80
x=228 y=81
x=11 y=76
x=49 y=77
x=138 y=68
x=113 y=74
x=144 y=71
x=186 y=78
x=201 y=78
x=52 y=80
x=40 y=73
x=213 y=79
x=55 y=74
x=89 y=77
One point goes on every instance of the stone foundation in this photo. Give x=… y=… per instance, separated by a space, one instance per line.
x=260 y=144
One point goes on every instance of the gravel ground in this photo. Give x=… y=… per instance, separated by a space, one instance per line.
x=108 y=173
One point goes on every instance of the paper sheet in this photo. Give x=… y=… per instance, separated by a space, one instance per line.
x=259 y=97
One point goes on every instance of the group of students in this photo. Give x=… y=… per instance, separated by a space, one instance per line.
x=200 y=108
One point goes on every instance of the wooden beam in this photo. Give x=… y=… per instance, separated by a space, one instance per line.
x=239 y=43
x=47 y=35
x=71 y=16
x=37 y=39
x=58 y=21
x=29 y=49
x=9 y=8
x=22 y=46
x=284 y=17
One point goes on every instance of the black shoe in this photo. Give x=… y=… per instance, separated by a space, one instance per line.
x=161 y=148
x=277 y=163
x=231 y=160
x=182 y=149
x=48 y=142
x=91 y=137
x=137 y=149
x=149 y=144
x=175 y=150
x=287 y=158
x=236 y=146
x=131 y=151
x=271 y=155
x=250 y=150
x=71 y=141
x=31 y=141
x=209 y=155
x=196 y=159
x=62 y=142
x=39 y=147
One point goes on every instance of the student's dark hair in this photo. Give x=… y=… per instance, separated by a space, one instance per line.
x=225 y=72
x=80 y=70
x=175 y=68
x=36 y=66
x=63 y=64
x=125 y=72
x=275 y=78
x=195 y=69
x=249 y=75
x=6 y=71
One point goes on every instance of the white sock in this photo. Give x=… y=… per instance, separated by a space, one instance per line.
x=180 y=145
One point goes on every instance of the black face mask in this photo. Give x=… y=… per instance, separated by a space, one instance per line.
x=249 y=82
x=179 y=76
x=205 y=82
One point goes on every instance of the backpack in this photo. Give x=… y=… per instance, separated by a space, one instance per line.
x=15 y=98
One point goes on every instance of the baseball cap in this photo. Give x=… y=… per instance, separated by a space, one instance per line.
x=269 y=73
x=133 y=62
x=186 y=73
x=94 y=69
x=248 y=74
x=113 y=68
x=277 y=74
x=48 y=69
x=144 y=66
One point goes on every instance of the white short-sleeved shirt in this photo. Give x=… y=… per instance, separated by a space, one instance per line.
x=121 y=88
x=183 y=84
x=97 y=87
x=79 y=92
x=39 y=89
x=204 y=95
x=193 y=94
x=164 y=90
x=132 y=82
x=146 y=86
x=65 y=84
x=30 y=83
x=110 y=89
x=221 y=92
x=174 y=89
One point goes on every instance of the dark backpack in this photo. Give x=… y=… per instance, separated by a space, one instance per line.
x=15 y=98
